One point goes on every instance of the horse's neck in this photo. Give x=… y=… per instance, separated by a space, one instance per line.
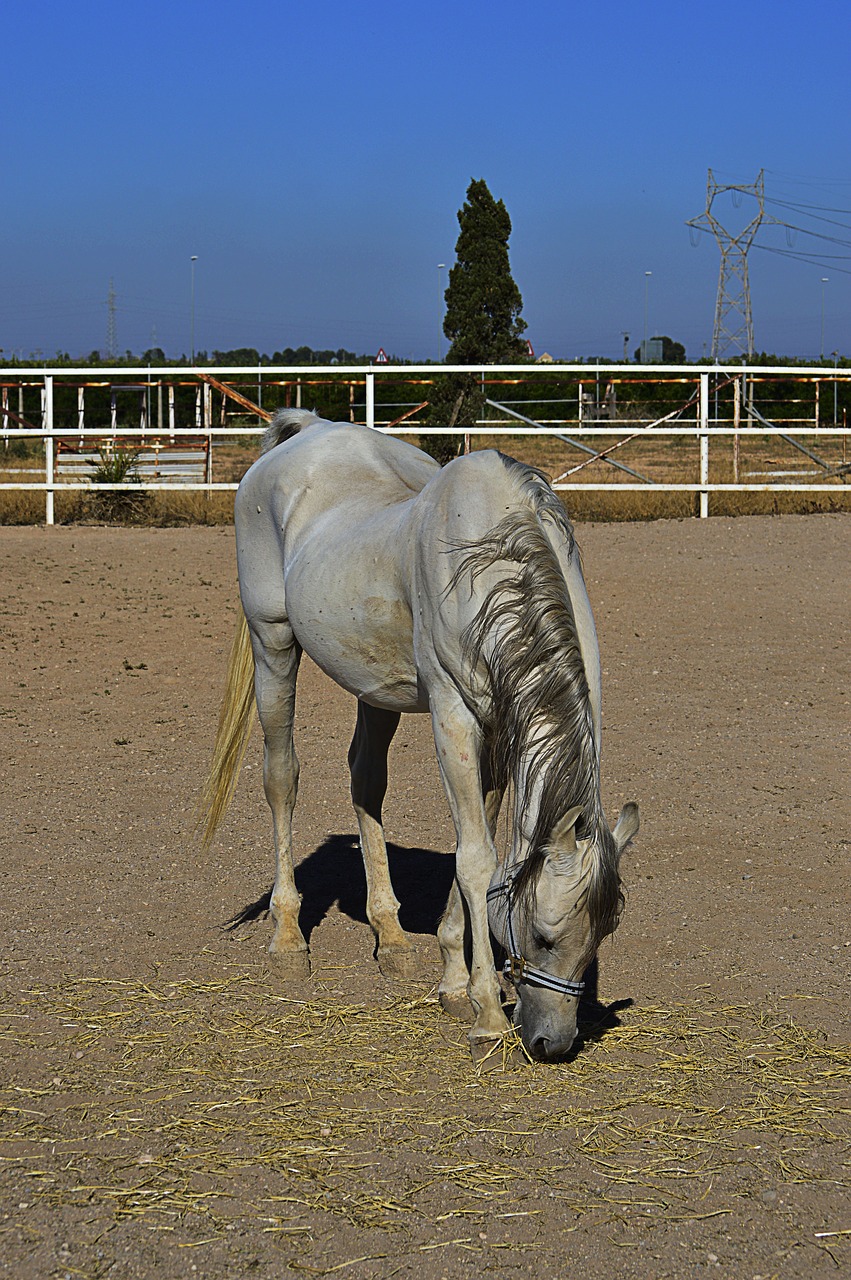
x=544 y=791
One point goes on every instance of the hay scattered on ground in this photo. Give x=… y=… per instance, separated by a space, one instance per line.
x=176 y=1103
x=169 y=1091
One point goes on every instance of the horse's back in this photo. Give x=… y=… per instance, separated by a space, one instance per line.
x=335 y=464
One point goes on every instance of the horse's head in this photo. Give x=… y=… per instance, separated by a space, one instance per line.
x=551 y=924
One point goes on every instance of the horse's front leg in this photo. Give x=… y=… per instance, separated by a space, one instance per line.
x=452 y=934
x=276 y=659
x=453 y=931
x=458 y=741
x=368 y=764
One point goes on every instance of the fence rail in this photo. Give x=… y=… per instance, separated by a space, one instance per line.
x=714 y=403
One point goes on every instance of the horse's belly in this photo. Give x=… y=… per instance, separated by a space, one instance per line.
x=368 y=649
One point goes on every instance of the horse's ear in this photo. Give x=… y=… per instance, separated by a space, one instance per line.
x=566 y=854
x=626 y=826
x=563 y=835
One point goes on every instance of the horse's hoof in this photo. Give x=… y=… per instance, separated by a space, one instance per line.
x=456 y=1004
x=496 y=1054
x=488 y=1052
x=291 y=966
x=397 y=963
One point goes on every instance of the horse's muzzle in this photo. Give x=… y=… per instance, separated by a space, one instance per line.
x=545 y=1047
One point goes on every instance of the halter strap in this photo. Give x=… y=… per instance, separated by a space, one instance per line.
x=516 y=966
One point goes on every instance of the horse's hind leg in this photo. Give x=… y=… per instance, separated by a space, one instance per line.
x=276 y=658
x=368 y=764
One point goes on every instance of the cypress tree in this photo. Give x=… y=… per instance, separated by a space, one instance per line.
x=482 y=321
x=483 y=303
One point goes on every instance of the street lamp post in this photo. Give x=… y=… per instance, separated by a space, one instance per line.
x=193 y=260
x=824 y=281
x=835 y=355
x=440 y=267
x=647 y=276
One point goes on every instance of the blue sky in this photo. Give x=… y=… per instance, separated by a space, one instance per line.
x=314 y=156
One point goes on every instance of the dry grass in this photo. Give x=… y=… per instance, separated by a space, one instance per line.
x=676 y=461
x=161 y=509
x=195 y=1104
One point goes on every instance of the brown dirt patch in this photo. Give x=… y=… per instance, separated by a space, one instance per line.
x=170 y=1109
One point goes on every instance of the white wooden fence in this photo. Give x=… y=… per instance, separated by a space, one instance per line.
x=586 y=429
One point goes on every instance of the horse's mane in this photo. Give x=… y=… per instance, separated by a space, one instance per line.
x=285 y=424
x=539 y=715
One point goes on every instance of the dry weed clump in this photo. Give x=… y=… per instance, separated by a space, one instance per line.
x=197 y=1107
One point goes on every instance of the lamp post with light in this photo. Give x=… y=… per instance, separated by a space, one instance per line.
x=440 y=267
x=647 y=276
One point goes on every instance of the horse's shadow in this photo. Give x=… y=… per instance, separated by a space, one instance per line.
x=333 y=875
x=594 y=1018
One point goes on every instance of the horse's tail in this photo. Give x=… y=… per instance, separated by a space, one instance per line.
x=235 y=721
x=285 y=424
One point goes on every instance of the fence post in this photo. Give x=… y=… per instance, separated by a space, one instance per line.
x=370 y=399
x=48 y=447
x=704 y=444
x=737 y=422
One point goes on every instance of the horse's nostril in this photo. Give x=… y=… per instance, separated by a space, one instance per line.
x=540 y=1048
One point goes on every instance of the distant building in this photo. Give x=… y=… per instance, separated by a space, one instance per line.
x=650 y=351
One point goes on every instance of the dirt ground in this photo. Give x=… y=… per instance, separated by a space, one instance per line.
x=169 y=1109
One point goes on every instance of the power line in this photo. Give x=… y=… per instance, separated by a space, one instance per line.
x=815 y=235
x=804 y=208
x=811 y=260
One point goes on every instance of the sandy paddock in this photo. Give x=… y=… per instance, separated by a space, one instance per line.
x=169 y=1109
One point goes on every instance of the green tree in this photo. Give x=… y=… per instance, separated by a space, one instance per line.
x=482 y=321
x=239 y=357
x=483 y=303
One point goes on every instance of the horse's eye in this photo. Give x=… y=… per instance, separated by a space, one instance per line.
x=541 y=942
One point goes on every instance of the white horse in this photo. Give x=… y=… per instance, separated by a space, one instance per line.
x=457 y=592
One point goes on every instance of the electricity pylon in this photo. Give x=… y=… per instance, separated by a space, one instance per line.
x=111 y=339
x=733 y=329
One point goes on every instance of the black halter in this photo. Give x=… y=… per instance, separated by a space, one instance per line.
x=516 y=966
